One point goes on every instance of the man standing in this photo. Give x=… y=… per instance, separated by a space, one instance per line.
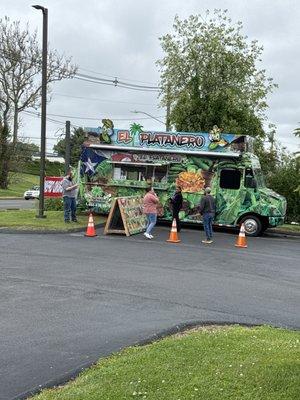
x=176 y=202
x=69 y=197
x=207 y=210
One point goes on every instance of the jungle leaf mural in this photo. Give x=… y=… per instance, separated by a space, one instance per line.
x=193 y=174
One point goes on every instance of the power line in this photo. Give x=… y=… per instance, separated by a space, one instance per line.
x=99 y=119
x=113 y=76
x=99 y=99
x=116 y=82
x=113 y=84
x=37 y=114
x=38 y=138
x=90 y=118
x=33 y=62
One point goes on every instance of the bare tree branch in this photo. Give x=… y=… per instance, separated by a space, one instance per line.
x=21 y=67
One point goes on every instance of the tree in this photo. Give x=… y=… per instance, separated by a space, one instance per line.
x=297 y=155
x=77 y=138
x=20 y=65
x=285 y=180
x=4 y=154
x=282 y=173
x=26 y=150
x=22 y=155
x=209 y=76
x=297 y=132
x=20 y=81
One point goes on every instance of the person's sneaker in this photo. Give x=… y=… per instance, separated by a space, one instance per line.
x=209 y=241
x=74 y=220
x=147 y=235
x=206 y=241
x=151 y=236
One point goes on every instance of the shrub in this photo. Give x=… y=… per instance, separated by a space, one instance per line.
x=285 y=180
x=54 y=204
x=82 y=204
x=51 y=168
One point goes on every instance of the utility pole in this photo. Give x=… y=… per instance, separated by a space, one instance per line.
x=44 y=103
x=168 y=122
x=68 y=146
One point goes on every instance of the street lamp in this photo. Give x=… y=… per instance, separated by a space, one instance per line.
x=149 y=115
x=43 y=114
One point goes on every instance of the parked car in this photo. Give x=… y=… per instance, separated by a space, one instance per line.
x=33 y=193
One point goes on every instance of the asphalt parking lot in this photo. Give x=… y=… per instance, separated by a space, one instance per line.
x=67 y=300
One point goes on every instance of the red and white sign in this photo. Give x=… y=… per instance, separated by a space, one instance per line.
x=52 y=186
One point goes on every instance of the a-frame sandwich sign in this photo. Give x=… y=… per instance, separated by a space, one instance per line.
x=126 y=216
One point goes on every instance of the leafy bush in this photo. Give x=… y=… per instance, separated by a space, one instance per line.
x=54 y=204
x=51 y=168
x=285 y=180
x=82 y=204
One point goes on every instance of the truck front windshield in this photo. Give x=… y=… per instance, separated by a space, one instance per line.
x=258 y=175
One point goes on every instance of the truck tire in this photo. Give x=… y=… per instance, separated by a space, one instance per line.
x=252 y=224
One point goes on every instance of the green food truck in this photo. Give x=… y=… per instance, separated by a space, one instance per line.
x=123 y=162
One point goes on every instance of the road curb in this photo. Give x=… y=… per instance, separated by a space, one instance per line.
x=282 y=232
x=46 y=232
x=11 y=198
x=51 y=232
x=71 y=375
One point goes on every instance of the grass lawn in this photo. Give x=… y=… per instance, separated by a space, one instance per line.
x=19 y=183
x=26 y=219
x=213 y=363
x=289 y=228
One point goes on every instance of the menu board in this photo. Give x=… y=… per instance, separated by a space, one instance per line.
x=126 y=216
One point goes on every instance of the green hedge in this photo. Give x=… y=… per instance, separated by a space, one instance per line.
x=285 y=181
x=54 y=204
x=51 y=168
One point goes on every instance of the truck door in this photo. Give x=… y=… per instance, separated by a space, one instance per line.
x=229 y=196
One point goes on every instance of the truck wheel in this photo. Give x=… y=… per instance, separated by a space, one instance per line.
x=252 y=224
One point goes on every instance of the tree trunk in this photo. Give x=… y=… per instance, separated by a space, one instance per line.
x=168 y=120
x=4 y=156
x=16 y=126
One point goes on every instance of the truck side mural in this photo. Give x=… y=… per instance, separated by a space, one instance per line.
x=121 y=163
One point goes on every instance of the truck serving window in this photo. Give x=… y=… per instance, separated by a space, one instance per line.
x=230 y=178
x=134 y=173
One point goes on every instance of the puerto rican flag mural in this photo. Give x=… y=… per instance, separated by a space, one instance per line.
x=90 y=159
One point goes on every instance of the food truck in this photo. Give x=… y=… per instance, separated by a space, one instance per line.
x=123 y=162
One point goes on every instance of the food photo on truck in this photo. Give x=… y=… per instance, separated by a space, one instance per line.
x=123 y=162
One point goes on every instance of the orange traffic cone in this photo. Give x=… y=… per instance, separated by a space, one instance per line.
x=90 y=232
x=173 y=234
x=241 y=240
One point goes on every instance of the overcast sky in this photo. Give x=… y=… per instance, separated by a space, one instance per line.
x=119 y=38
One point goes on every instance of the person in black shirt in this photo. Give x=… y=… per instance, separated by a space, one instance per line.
x=207 y=209
x=176 y=202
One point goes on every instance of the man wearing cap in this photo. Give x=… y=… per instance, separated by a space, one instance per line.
x=69 y=197
x=207 y=209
